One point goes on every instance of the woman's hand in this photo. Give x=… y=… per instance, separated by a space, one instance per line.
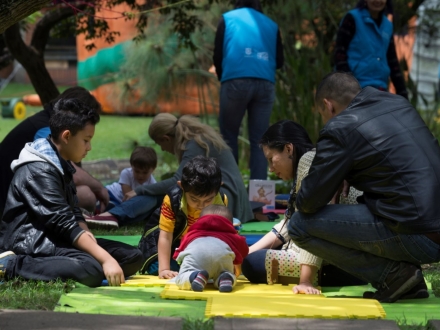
x=129 y=195
x=305 y=288
x=167 y=274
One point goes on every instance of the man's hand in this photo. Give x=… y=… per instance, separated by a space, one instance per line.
x=103 y=197
x=167 y=274
x=343 y=190
x=305 y=288
x=129 y=195
x=113 y=272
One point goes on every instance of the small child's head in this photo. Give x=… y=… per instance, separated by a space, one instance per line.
x=218 y=210
x=72 y=127
x=143 y=161
x=201 y=181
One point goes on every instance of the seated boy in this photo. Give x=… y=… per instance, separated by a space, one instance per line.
x=143 y=161
x=42 y=229
x=209 y=250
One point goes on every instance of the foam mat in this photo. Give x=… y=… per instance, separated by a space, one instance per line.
x=299 y=306
x=145 y=281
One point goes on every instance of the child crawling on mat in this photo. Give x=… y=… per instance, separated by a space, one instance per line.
x=210 y=250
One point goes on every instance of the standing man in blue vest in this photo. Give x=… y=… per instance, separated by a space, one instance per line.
x=248 y=50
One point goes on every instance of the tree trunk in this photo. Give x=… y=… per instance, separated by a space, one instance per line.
x=13 y=11
x=33 y=62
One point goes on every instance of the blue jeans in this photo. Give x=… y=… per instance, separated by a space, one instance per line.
x=136 y=209
x=353 y=239
x=257 y=96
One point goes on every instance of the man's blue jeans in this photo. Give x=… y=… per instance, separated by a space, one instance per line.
x=257 y=96
x=136 y=209
x=353 y=239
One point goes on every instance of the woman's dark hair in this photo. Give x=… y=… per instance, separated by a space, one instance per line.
x=388 y=6
x=79 y=93
x=285 y=132
x=201 y=176
x=72 y=115
x=254 y=4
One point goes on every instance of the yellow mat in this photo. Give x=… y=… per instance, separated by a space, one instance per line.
x=145 y=281
x=298 y=306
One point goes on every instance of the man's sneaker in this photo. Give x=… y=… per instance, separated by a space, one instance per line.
x=4 y=259
x=199 y=280
x=420 y=291
x=225 y=282
x=99 y=221
x=401 y=280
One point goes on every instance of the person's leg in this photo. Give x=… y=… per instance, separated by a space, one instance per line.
x=254 y=267
x=136 y=209
x=259 y=111
x=129 y=257
x=353 y=239
x=192 y=274
x=234 y=98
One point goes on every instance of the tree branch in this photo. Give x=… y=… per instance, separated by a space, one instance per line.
x=13 y=11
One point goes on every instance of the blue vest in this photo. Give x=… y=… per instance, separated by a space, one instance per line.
x=249 y=46
x=367 y=52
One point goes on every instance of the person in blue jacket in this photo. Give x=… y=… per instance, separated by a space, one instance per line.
x=365 y=46
x=248 y=50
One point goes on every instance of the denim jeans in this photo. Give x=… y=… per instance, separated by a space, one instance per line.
x=353 y=239
x=136 y=209
x=257 y=96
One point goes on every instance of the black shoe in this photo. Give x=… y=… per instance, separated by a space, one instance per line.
x=400 y=280
x=420 y=291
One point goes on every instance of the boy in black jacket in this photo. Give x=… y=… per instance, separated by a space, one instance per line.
x=42 y=229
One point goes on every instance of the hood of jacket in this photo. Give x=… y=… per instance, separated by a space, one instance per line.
x=38 y=151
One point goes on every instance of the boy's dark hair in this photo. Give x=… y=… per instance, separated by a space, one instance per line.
x=217 y=210
x=72 y=115
x=79 y=93
x=201 y=176
x=143 y=158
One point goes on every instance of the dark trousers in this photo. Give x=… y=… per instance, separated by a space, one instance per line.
x=71 y=263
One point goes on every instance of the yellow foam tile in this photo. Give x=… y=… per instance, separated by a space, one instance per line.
x=145 y=281
x=297 y=306
x=242 y=288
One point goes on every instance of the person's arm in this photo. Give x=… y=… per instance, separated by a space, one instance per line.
x=270 y=240
x=82 y=178
x=344 y=36
x=125 y=188
x=112 y=271
x=218 y=48
x=164 y=255
x=395 y=72
x=306 y=278
x=329 y=168
x=280 y=51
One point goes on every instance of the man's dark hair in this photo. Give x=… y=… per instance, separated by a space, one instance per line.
x=143 y=158
x=254 y=4
x=72 y=115
x=218 y=210
x=387 y=10
x=79 y=93
x=338 y=86
x=201 y=176
x=285 y=132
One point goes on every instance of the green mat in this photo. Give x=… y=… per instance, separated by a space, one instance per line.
x=260 y=227
x=137 y=301
x=412 y=312
x=131 y=240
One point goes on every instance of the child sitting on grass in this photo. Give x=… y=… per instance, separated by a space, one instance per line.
x=210 y=250
x=42 y=230
x=143 y=161
x=199 y=187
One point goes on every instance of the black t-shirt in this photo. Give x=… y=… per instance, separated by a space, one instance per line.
x=13 y=143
